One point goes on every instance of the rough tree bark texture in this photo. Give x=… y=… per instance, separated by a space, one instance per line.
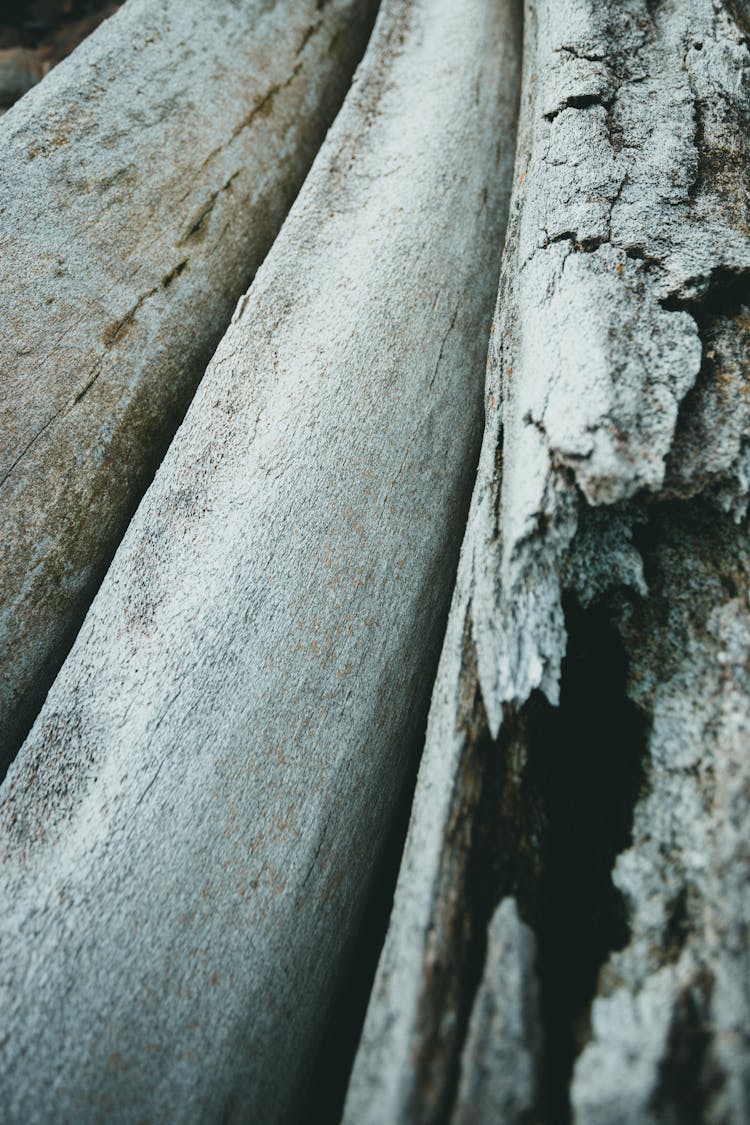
x=609 y=516
x=189 y=830
x=141 y=184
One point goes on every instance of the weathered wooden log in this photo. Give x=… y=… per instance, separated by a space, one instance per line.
x=609 y=515
x=188 y=833
x=499 y=1079
x=141 y=184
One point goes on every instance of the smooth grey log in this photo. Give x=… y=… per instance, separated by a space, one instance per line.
x=141 y=184
x=614 y=470
x=188 y=833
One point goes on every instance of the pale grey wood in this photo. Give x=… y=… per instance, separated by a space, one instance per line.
x=189 y=831
x=141 y=184
x=500 y=1058
x=617 y=387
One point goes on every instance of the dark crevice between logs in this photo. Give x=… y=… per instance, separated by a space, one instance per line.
x=724 y=293
x=486 y=811
x=467 y=882
x=558 y=792
x=739 y=12
x=328 y=1082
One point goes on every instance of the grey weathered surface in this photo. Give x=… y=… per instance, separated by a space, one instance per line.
x=500 y=1058
x=188 y=832
x=614 y=471
x=671 y=1022
x=141 y=184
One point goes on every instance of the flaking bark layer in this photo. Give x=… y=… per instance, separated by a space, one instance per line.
x=613 y=472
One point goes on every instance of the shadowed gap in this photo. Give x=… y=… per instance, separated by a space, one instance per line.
x=555 y=800
x=559 y=790
x=332 y=1067
x=584 y=773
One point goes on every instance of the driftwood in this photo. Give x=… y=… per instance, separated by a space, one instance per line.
x=141 y=184
x=189 y=831
x=605 y=567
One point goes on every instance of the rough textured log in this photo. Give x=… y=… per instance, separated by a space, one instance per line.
x=609 y=516
x=499 y=1076
x=188 y=831
x=141 y=184
x=670 y=1036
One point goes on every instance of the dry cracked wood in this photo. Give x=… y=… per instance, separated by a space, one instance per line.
x=609 y=516
x=141 y=184
x=189 y=831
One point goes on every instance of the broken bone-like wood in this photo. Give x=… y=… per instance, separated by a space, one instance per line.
x=499 y=1076
x=617 y=386
x=141 y=184
x=188 y=833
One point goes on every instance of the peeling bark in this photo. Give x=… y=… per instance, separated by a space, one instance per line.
x=670 y=1036
x=613 y=475
x=189 y=831
x=142 y=183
